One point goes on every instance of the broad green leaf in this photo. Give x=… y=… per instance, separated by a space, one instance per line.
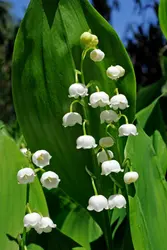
x=80 y=227
x=163 y=16
x=161 y=151
x=13 y=195
x=34 y=247
x=147 y=209
x=146 y=95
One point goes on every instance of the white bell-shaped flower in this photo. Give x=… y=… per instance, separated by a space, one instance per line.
x=106 y=142
x=111 y=166
x=86 y=142
x=115 y=72
x=97 y=55
x=103 y=156
x=45 y=225
x=41 y=158
x=25 y=176
x=119 y=102
x=78 y=90
x=50 y=180
x=127 y=130
x=72 y=118
x=31 y=220
x=97 y=203
x=109 y=116
x=116 y=200
x=99 y=99
x=24 y=151
x=131 y=177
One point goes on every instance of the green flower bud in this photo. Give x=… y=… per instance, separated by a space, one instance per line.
x=89 y=40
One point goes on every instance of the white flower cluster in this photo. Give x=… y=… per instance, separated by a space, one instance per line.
x=112 y=114
x=41 y=159
x=39 y=223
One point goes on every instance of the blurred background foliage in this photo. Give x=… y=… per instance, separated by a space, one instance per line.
x=143 y=42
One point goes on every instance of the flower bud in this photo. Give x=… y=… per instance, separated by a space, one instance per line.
x=86 y=142
x=115 y=72
x=116 y=200
x=41 y=158
x=89 y=40
x=127 y=130
x=111 y=166
x=25 y=176
x=45 y=225
x=78 y=89
x=131 y=177
x=97 y=203
x=50 y=180
x=31 y=220
x=24 y=151
x=109 y=116
x=106 y=142
x=97 y=55
x=72 y=118
x=102 y=156
x=99 y=99
x=119 y=102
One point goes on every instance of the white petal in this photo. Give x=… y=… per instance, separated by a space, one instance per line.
x=97 y=203
x=116 y=200
x=72 y=118
x=78 y=89
x=86 y=142
x=102 y=156
x=31 y=220
x=127 y=130
x=131 y=177
x=110 y=166
x=119 y=101
x=99 y=99
x=41 y=158
x=50 y=180
x=106 y=142
x=97 y=55
x=25 y=176
x=109 y=116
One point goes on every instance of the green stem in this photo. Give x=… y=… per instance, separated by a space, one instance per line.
x=23 y=243
x=125 y=117
x=77 y=72
x=116 y=91
x=84 y=127
x=115 y=181
x=97 y=89
x=71 y=105
x=94 y=186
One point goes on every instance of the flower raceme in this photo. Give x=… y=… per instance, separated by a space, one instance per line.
x=97 y=203
x=99 y=99
x=86 y=142
x=41 y=158
x=115 y=72
x=109 y=116
x=103 y=156
x=119 y=102
x=78 y=90
x=72 y=118
x=111 y=166
x=131 y=177
x=50 y=180
x=25 y=176
x=97 y=55
x=127 y=130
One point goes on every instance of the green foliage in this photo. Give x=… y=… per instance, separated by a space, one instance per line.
x=163 y=16
x=42 y=74
x=34 y=247
x=12 y=195
x=147 y=209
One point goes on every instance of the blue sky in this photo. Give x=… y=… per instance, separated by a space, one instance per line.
x=119 y=19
